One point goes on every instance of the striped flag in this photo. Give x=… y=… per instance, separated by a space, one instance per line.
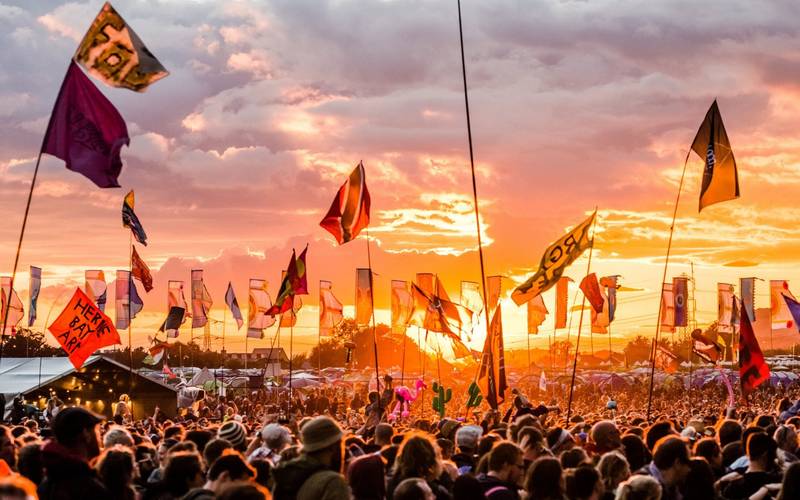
x=233 y=305
x=349 y=212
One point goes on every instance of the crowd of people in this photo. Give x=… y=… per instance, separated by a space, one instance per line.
x=310 y=448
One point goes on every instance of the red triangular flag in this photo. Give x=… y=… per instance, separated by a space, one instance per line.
x=753 y=370
x=349 y=212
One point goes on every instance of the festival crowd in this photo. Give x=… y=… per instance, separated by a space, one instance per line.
x=326 y=446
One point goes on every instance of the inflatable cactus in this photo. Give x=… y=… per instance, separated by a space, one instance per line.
x=441 y=399
x=475 y=397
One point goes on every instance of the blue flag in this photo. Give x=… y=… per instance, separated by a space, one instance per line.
x=136 y=302
x=233 y=305
x=131 y=221
x=794 y=308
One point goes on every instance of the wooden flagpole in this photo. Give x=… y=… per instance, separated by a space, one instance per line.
x=472 y=171
x=580 y=325
x=661 y=287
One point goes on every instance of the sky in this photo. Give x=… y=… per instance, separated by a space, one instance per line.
x=236 y=155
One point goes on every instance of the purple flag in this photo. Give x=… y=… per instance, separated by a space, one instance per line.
x=86 y=131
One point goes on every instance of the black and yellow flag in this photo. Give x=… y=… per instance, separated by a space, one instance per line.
x=556 y=258
x=720 y=177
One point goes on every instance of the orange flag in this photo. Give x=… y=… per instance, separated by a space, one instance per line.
x=562 y=286
x=82 y=328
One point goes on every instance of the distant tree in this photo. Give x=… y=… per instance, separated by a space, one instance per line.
x=29 y=343
x=637 y=349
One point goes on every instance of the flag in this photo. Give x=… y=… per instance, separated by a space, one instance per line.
x=201 y=300
x=494 y=285
x=113 y=53
x=747 y=289
x=81 y=329
x=156 y=352
x=667 y=308
x=11 y=305
x=35 y=286
x=666 y=360
x=492 y=372
x=720 y=178
x=705 y=348
x=330 y=309
x=542 y=381
x=471 y=297
x=95 y=287
x=130 y=220
x=753 y=370
x=556 y=258
x=402 y=306
x=172 y=324
x=140 y=270
x=610 y=284
x=725 y=307
x=363 y=296
x=537 y=312
x=349 y=212
x=86 y=131
x=293 y=282
x=259 y=304
x=562 y=289
x=600 y=319
x=794 y=310
x=127 y=300
x=781 y=317
x=289 y=316
x=434 y=310
x=233 y=305
x=176 y=298
x=427 y=282
x=169 y=373
x=591 y=290
x=680 y=291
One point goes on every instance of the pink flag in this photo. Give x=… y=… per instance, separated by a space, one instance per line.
x=86 y=131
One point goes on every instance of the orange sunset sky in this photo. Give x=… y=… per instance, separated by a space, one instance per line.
x=236 y=156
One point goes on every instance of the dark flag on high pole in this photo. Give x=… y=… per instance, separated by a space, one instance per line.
x=720 y=177
x=349 y=212
x=130 y=220
x=753 y=369
x=492 y=371
x=86 y=130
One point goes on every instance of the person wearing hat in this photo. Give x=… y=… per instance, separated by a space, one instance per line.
x=66 y=457
x=269 y=443
x=467 y=441
x=233 y=432
x=317 y=473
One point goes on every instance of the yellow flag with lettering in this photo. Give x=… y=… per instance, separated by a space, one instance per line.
x=556 y=258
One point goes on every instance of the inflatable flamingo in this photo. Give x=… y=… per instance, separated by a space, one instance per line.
x=405 y=397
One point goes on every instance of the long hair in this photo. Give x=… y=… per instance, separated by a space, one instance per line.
x=418 y=456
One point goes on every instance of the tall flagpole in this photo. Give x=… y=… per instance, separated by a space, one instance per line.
x=661 y=287
x=580 y=325
x=130 y=320
x=374 y=333
x=472 y=171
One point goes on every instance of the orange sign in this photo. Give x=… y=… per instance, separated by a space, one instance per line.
x=82 y=328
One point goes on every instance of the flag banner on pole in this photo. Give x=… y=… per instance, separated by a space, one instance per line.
x=680 y=291
x=95 y=287
x=172 y=325
x=140 y=270
x=555 y=260
x=537 y=312
x=753 y=370
x=492 y=372
x=610 y=284
x=113 y=53
x=591 y=290
x=427 y=282
x=363 y=296
x=201 y=300
x=666 y=360
x=402 y=306
x=176 y=298
x=600 y=319
x=725 y=307
x=130 y=220
x=781 y=317
x=293 y=282
x=127 y=300
x=747 y=289
x=494 y=287
x=471 y=297
x=542 y=380
x=86 y=131
x=455 y=313
x=349 y=212
x=35 y=287
x=431 y=313
x=794 y=310
x=562 y=290
x=330 y=309
x=289 y=316
x=720 y=177
x=233 y=305
x=705 y=348
x=82 y=328
x=156 y=352
x=667 y=308
x=9 y=300
x=260 y=303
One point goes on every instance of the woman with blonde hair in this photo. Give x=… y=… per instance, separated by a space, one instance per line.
x=419 y=457
x=614 y=469
x=639 y=488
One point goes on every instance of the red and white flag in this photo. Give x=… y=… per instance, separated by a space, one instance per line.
x=349 y=212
